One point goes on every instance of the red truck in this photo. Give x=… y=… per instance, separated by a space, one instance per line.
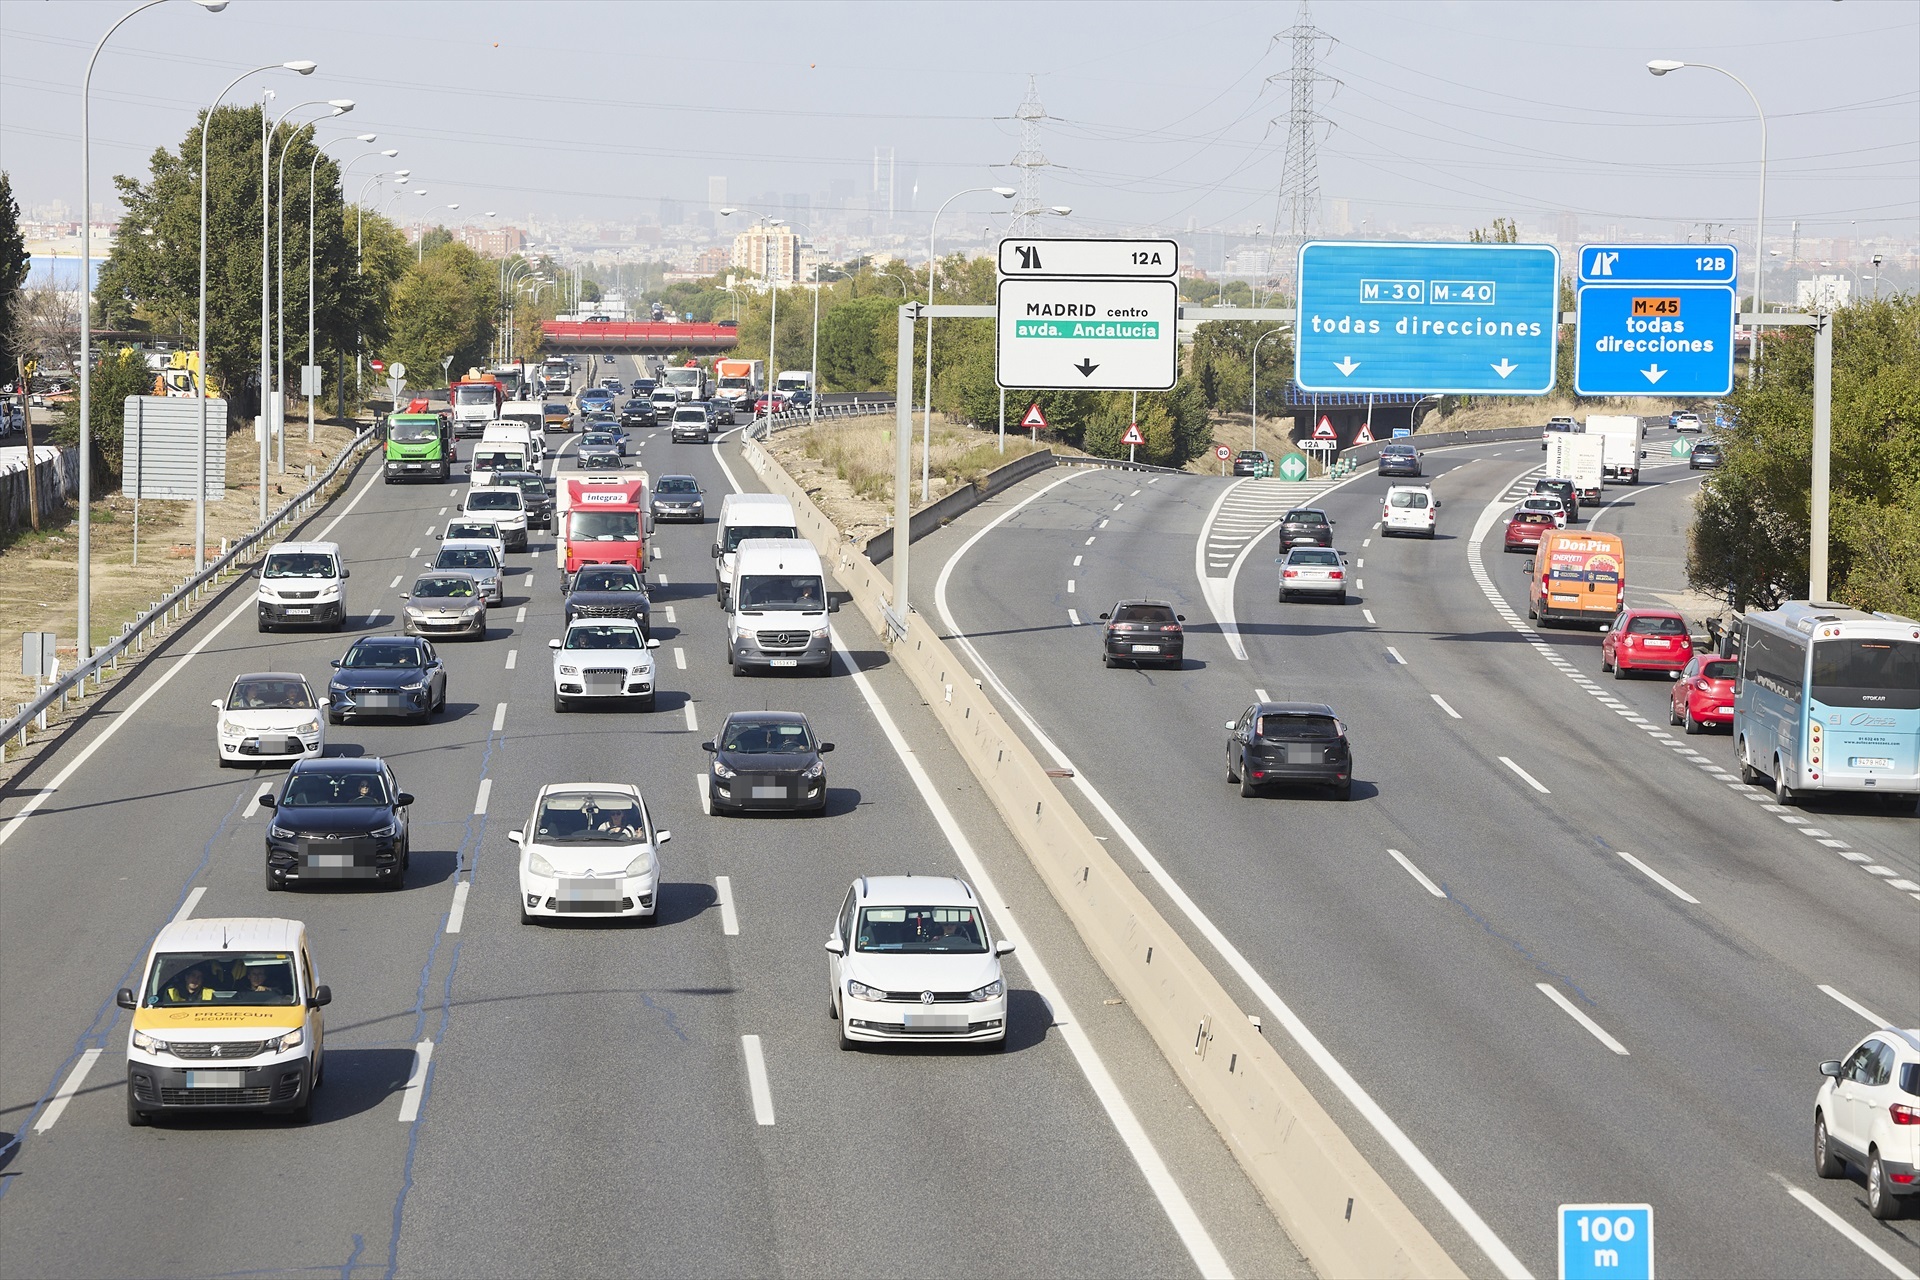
x=603 y=521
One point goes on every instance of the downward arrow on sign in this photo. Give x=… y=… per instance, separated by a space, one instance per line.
x=1653 y=373
x=1504 y=368
x=1347 y=365
x=1086 y=367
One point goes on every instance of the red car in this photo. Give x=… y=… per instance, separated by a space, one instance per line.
x=1704 y=693
x=1526 y=529
x=1646 y=640
x=775 y=402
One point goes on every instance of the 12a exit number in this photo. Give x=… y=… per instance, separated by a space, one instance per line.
x=1146 y=258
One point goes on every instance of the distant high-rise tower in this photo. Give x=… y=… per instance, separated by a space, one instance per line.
x=1296 y=213
x=882 y=192
x=1031 y=160
x=716 y=194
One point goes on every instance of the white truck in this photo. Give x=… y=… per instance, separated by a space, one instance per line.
x=530 y=414
x=792 y=380
x=1620 y=452
x=689 y=382
x=1579 y=458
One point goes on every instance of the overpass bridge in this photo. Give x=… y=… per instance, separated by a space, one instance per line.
x=646 y=337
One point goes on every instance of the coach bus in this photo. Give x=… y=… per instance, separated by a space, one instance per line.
x=1829 y=701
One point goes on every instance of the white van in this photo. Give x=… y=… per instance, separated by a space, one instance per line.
x=503 y=504
x=226 y=1018
x=531 y=414
x=302 y=584
x=497 y=455
x=529 y=434
x=1408 y=508
x=778 y=614
x=743 y=516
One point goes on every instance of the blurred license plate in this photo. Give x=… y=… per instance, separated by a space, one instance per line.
x=216 y=1079
x=1660 y=644
x=1725 y=711
x=786 y=662
x=1872 y=762
x=936 y=1020
x=291 y=612
x=769 y=793
x=329 y=859
x=1146 y=648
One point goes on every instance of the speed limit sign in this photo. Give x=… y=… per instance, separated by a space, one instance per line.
x=1221 y=452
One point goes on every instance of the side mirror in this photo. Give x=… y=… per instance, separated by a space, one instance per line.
x=833 y=606
x=661 y=837
x=405 y=799
x=1526 y=566
x=825 y=747
x=706 y=746
x=513 y=837
x=716 y=550
x=1179 y=617
x=335 y=664
x=1831 y=1067
x=1605 y=627
x=322 y=995
x=268 y=802
x=1003 y=948
x=553 y=644
x=834 y=945
x=218 y=705
x=1231 y=726
x=1106 y=617
x=346 y=573
x=124 y=998
x=653 y=644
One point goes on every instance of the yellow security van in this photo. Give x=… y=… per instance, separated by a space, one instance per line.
x=227 y=1018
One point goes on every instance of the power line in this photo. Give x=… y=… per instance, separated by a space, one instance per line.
x=1030 y=161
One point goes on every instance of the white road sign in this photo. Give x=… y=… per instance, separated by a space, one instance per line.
x=1101 y=335
x=1119 y=259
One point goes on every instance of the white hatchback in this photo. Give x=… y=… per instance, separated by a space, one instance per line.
x=911 y=958
x=269 y=716
x=589 y=849
x=1867 y=1113
x=1548 y=505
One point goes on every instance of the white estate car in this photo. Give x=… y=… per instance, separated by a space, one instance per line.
x=911 y=958
x=603 y=658
x=1867 y=1113
x=269 y=715
x=589 y=848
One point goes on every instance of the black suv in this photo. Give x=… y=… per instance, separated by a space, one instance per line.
x=1399 y=460
x=336 y=819
x=1563 y=490
x=1302 y=743
x=1305 y=527
x=1143 y=631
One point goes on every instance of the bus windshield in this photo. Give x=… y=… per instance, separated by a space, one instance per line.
x=1866 y=672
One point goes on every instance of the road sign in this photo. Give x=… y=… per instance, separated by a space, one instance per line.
x=1097 y=335
x=1323 y=429
x=399 y=370
x=1292 y=466
x=1682 y=448
x=1133 y=435
x=1611 y=1241
x=1090 y=259
x=1462 y=318
x=1221 y=452
x=1658 y=263
x=378 y=366
x=1400 y=433
x=1364 y=435
x=1658 y=339
x=1033 y=418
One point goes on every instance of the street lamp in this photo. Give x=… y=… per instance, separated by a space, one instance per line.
x=84 y=621
x=926 y=435
x=312 y=169
x=340 y=107
x=1660 y=67
x=1877 y=259
x=1253 y=407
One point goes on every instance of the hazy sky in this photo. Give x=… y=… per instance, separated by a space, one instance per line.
x=1444 y=111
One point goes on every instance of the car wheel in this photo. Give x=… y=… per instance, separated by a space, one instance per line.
x=1693 y=726
x=1881 y=1203
x=1341 y=598
x=1106 y=659
x=1605 y=666
x=1781 y=791
x=1344 y=791
x=406 y=862
x=1231 y=775
x=1285 y=595
x=559 y=703
x=739 y=667
x=1825 y=1163
x=647 y=704
x=260 y=624
x=273 y=885
x=334 y=717
x=1247 y=789
x=1619 y=670
x=846 y=1045
x=1673 y=716
x=136 y=1118
x=303 y=1114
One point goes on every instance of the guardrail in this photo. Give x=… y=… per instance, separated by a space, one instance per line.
x=135 y=636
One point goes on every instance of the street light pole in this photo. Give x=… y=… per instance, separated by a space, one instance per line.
x=340 y=107
x=926 y=434
x=1253 y=408
x=312 y=170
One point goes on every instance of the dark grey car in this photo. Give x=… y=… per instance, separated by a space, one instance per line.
x=766 y=760
x=609 y=591
x=679 y=498
x=387 y=676
x=599 y=450
x=1297 y=743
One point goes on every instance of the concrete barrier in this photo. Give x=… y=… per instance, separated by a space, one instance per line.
x=935 y=514
x=1341 y=1214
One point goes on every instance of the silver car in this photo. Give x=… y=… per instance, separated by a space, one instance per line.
x=1313 y=571
x=474 y=557
x=599 y=451
x=446 y=602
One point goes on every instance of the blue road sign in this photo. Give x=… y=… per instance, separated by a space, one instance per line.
x=1398 y=432
x=1654 y=339
x=1662 y=263
x=1606 y=1242
x=1472 y=319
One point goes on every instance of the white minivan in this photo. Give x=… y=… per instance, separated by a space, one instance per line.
x=505 y=506
x=1408 y=508
x=777 y=613
x=302 y=584
x=743 y=516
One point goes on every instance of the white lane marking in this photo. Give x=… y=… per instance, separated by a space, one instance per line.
x=396 y=579
x=706 y=801
x=1077 y=560
x=499 y=717
x=57 y=1106
x=1089 y=541
x=1260 y=695
x=1853 y=1234
x=1368 y=615
x=458 y=911
x=757 y=1085
x=664 y=581
x=1444 y=707
x=1657 y=878
x=1206 y=1256
x=413 y=554
x=1118 y=505
x=375 y=619
x=480 y=799
x=442 y=510
x=193 y=900
x=513 y=656
x=723 y=889
x=416 y=1085
x=1359 y=584
x=1134 y=494
x=1361 y=563
x=1599 y=1032
x=253 y=806
x=429 y=531
x=1395 y=655
x=1101 y=525
x=520 y=614
x=1073 y=617
x=1366 y=542
x=1525 y=776
x=528 y=580
x=693 y=720
x=679 y=658
x=1417 y=874
x=670 y=618
x=1856 y=1006
x=1069 y=586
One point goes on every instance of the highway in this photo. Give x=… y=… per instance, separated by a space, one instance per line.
x=1550 y=952
x=511 y=1100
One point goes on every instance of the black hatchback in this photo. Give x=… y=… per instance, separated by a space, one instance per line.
x=1305 y=527
x=766 y=760
x=1563 y=490
x=1289 y=743
x=1143 y=631
x=338 y=819
x=534 y=495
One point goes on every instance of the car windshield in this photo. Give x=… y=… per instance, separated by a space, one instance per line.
x=496 y=499
x=496 y=460
x=782 y=591
x=767 y=737
x=181 y=978
x=465 y=558
x=1306 y=517
x=1295 y=727
x=1656 y=626
x=474 y=395
x=690 y=415
x=472 y=529
x=443 y=589
x=298 y=564
x=412 y=430
x=608 y=579
x=1720 y=669
x=596 y=438
x=1314 y=556
x=589 y=817
x=1883 y=666
x=739 y=533
x=529 y=484
x=1415 y=498
x=317 y=789
x=601 y=636
x=1533 y=517
x=678 y=484
x=921 y=930
x=557 y=410
x=604 y=526
x=1154 y=613
x=384 y=655
x=269 y=693
x=1543 y=504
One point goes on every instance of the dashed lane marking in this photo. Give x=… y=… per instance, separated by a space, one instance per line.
x=457 y=913
x=513 y=657
x=723 y=890
x=1526 y=777
x=693 y=720
x=1657 y=878
x=415 y=1089
x=481 y=796
x=757 y=1087
x=1417 y=874
x=1073 y=617
x=499 y=717
x=193 y=900
x=1573 y=1011
x=253 y=806
x=1444 y=707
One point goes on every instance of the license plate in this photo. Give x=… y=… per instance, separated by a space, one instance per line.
x=1146 y=648
x=769 y=793
x=924 y=1020
x=786 y=662
x=329 y=859
x=292 y=612
x=1724 y=711
x=1871 y=762
x=216 y=1079
x=1659 y=644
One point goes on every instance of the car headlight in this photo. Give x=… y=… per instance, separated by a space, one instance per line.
x=292 y=1040
x=861 y=991
x=277 y=832
x=992 y=991
x=310 y=725
x=721 y=771
x=472 y=609
x=415 y=611
x=820 y=633
x=815 y=770
x=568 y=671
x=415 y=686
x=641 y=865
x=231 y=726
x=141 y=1040
x=387 y=832
x=538 y=865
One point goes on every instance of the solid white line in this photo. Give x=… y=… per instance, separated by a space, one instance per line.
x=1146 y=1157
x=520 y=615
x=1417 y=874
x=1599 y=1033
x=416 y=1083
x=253 y=807
x=499 y=717
x=1853 y=1234
x=1368 y=615
x=70 y=1086
x=396 y=579
x=757 y=1085
x=723 y=889
x=480 y=797
x=1444 y=707
x=1525 y=776
x=1658 y=879
x=1395 y=655
x=1856 y=1006
x=513 y=656
x=679 y=658
x=700 y=785
x=1073 y=617
x=193 y=900
x=458 y=912
x=693 y=721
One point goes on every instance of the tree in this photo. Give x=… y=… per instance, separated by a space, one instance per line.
x=432 y=239
x=858 y=345
x=14 y=262
x=1219 y=364
x=118 y=374
x=1503 y=231
x=443 y=306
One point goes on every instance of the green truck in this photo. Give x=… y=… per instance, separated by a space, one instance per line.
x=419 y=447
